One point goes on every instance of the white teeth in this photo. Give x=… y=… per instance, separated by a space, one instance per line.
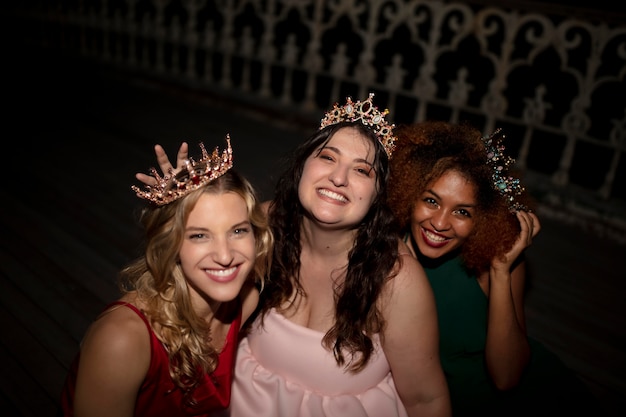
x=221 y=272
x=433 y=237
x=334 y=196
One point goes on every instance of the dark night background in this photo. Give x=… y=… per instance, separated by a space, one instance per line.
x=77 y=132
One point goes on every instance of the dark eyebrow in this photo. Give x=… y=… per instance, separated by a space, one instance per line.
x=360 y=160
x=439 y=198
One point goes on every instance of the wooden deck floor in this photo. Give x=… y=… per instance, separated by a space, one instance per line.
x=75 y=141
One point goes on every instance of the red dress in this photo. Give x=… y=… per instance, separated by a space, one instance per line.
x=157 y=395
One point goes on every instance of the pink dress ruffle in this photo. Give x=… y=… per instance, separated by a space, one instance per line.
x=282 y=370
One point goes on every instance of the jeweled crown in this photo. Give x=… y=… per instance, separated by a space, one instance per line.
x=193 y=175
x=509 y=187
x=366 y=113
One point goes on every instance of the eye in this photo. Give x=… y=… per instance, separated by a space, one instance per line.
x=430 y=201
x=196 y=236
x=326 y=155
x=464 y=213
x=240 y=231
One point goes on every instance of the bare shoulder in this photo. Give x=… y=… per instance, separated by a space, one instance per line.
x=117 y=333
x=409 y=266
x=410 y=280
x=115 y=357
x=408 y=302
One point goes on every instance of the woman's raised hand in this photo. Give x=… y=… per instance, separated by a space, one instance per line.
x=164 y=163
x=529 y=228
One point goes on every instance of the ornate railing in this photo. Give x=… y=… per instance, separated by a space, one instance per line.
x=555 y=83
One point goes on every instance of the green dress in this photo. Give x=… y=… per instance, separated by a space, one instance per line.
x=548 y=387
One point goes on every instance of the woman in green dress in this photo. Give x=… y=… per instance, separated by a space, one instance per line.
x=468 y=220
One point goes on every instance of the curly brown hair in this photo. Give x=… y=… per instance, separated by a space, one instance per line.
x=424 y=152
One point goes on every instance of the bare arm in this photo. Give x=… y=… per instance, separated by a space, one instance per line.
x=507 y=352
x=114 y=360
x=164 y=162
x=411 y=342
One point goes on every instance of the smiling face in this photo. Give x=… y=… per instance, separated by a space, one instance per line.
x=218 y=248
x=443 y=216
x=338 y=183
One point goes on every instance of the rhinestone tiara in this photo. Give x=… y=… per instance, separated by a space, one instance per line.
x=509 y=187
x=192 y=176
x=368 y=114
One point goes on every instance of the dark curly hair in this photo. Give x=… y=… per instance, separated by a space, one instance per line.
x=424 y=152
x=371 y=260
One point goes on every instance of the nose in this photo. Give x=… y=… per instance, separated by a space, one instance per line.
x=339 y=176
x=439 y=221
x=222 y=252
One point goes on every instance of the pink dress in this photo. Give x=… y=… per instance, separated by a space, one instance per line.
x=282 y=370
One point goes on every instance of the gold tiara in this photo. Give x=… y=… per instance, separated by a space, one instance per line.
x=368 y=114
x=508 y=186
x=192 y=176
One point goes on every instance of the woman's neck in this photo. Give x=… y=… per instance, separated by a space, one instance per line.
x=326 y=241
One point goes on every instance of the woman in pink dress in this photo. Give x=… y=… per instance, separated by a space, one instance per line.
x=331 y=338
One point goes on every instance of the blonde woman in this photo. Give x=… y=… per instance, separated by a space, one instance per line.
x=167 y=346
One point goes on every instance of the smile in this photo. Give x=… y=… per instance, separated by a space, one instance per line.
x=433 y=236
x=221 y=272
x=434 y=240
x=330 y=194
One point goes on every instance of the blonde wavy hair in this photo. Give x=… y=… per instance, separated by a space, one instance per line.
x=159 y=282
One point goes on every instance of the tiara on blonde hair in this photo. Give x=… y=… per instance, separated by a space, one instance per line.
x=366 y=113
x=509 y=187
x=193 y=175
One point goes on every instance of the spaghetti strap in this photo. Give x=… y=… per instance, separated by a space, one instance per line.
x=132 y=307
